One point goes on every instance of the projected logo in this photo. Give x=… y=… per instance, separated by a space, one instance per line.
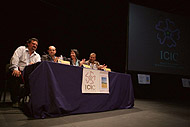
x=167 y=34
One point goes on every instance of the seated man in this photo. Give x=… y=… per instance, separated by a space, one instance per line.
x=93 y=63
x=51 y=55
x=23 y=56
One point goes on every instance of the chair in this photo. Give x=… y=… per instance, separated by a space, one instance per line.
x=5 y=85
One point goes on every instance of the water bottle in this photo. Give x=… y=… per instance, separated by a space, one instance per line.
x=60 y=59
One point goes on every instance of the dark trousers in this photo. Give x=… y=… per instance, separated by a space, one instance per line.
x=14 y=86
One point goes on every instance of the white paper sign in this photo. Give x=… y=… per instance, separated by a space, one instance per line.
x=104 y=82
x=143 y=79
x=186 y=82
x=95 y=81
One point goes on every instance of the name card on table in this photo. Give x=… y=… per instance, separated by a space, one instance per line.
x=86 y=66
x=95 y=81
x=107 y=69
x=63 y=62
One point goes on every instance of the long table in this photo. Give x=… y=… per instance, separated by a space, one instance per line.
x=56 y=91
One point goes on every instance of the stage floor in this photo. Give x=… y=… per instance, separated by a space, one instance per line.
x=146 y=113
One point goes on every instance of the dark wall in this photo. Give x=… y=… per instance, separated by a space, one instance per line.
x=162 y=86
x=89 y=26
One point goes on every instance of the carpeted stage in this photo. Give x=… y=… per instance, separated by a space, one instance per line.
x=146 y=113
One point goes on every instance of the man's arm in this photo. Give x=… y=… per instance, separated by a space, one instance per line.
x=14 y=62
x=36 y=59
x=100 y=67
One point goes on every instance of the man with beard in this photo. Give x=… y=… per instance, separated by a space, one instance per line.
x=51 y=55
x=93 y=63
x=23 y=56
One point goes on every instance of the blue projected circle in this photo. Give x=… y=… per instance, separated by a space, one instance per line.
x=167 y=34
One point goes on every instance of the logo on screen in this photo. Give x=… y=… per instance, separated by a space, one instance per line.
x=168 y=33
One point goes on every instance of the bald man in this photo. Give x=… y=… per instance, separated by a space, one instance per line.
x=51 y=55
x=93 y=63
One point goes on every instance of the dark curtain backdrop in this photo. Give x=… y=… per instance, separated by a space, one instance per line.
x=89 y=26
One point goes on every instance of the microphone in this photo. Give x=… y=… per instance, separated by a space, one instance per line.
x=47 y=55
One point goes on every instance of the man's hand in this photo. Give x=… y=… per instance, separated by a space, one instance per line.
x=102 y=67
x=16 y=73
x=56 y=59
x=82 y=62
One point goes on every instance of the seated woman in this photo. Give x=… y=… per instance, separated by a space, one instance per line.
x=74 y=58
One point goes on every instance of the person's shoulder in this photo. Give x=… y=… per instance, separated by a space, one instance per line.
x=37 y=54
x=87 y=61
x=21 y=47
x=96 y=62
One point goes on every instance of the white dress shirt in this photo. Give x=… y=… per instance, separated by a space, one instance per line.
x=22 y=58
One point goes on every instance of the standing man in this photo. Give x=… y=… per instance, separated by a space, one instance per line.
x=23 y=56
x=93 y=63
x=51 y=55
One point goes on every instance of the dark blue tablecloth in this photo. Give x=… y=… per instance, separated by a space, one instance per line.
x=56 y=91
